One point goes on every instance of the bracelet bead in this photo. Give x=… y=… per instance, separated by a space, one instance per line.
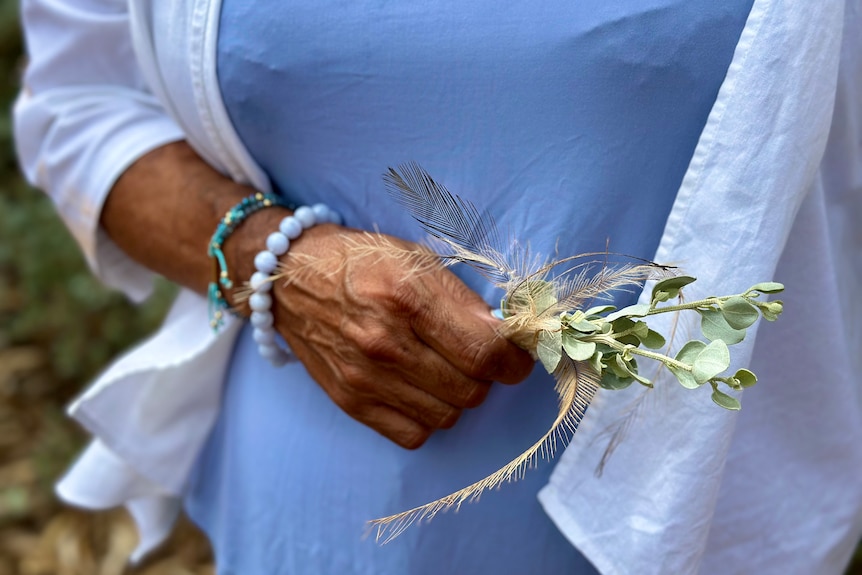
x=306 y=217
x=277 y=243
x=260 y=301
x=321 y=212
x=263 y=336
x=261 y=319
x=265 y=263
x=260 y=282
x=290 y=227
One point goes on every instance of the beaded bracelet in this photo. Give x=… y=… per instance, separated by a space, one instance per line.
x=265 y=264
x=230 y=222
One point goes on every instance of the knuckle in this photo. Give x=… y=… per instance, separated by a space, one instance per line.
x=449 y=419
x=413 y=439
x=358 y=385
x=380 y=346
x=480 y=358
x=475 y=394
x=406 y=297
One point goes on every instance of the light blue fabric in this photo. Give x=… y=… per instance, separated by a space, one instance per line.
x=571 y=122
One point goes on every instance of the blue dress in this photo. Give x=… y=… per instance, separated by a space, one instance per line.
x=572 y=122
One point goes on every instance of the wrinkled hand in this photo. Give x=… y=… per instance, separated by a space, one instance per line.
x=402 y=353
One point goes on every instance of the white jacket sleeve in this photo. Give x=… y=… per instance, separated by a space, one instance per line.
x=83 y=116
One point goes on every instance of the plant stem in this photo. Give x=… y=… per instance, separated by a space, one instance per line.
x=610 y=341
x=690 y=305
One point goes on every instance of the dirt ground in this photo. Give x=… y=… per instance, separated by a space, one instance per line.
x=39 y=536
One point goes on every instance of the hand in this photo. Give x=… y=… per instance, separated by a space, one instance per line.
x=401 y=352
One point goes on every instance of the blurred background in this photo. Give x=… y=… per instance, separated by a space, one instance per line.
x=58 y=329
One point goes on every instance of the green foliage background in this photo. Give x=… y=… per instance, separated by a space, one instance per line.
x=58 y=326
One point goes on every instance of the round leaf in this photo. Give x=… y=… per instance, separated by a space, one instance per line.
x=622 y=324
x=538 y=295
x=725 y=401
x=686 y=379
x=611 y=381
x=690 y=351
x=653 y=340
x=550 y=349
x=711 y=361
x=584 y=327
x=714 y=326
x=746 y=378
x=738 y=312
x=640 y=329
x=576 y=349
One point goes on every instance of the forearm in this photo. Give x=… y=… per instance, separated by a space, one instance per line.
x=164 y=209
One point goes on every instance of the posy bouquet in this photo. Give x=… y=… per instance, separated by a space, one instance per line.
x=553 y=310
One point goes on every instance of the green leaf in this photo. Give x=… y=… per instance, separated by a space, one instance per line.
x=631 y=369
x=584 y=327
x=616 y=365
x=611 y=381
x=536 y=294
x=685 y=378
x=622 y=324
x=714 y=326
x=640 y=329
x=576 y=349
x=687 y=355
x=653 y=340
x=637 y=310
x=544 y=295
x=630 y=339
x=669 y=288
x=726 y=401
x=550 y=349
x=599 y=309
x=711 y=361
x=738 y=312
x=746 y=378
x=690 y=351
x=767 y=287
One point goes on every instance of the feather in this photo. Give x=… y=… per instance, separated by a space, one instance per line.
x=576 y=385
x=472 y=236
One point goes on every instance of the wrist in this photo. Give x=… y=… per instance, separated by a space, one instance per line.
x=241 y=248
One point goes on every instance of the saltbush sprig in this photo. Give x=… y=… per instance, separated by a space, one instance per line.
x=610 y=340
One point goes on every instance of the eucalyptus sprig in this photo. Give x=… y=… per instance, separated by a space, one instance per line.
x=610 y=340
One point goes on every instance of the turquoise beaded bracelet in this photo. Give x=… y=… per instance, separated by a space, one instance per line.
x=230 y=222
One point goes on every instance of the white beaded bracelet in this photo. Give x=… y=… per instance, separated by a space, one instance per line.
x=265 y=264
